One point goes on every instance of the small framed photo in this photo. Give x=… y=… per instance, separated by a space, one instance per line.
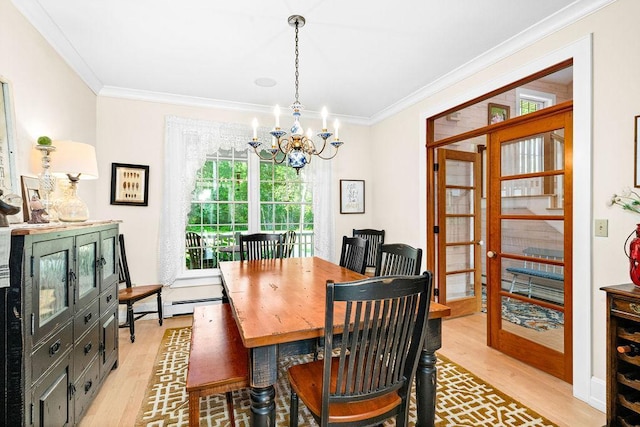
x=129 y=184
x=497 y=113
x=30 y=191
x=351 y=196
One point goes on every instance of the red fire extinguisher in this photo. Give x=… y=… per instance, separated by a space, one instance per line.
x=634 y=256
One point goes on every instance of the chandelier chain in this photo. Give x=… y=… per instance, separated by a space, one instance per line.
x=297 y=74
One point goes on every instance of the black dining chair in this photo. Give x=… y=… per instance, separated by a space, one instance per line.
x=398 y=259
x=289 y=242
x=194 y=250
x=375 y=238
x=260 y=246
x=131 y=294
x=355 y=251
x=370 y=379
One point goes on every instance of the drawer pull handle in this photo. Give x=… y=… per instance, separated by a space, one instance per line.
x=87 y=318
x=87 y=386
x=635 y=308
x=109 y=298
x=55 y=347
x=87 y=348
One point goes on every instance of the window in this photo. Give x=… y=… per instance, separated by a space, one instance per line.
x=221 y=206
x=286 y=203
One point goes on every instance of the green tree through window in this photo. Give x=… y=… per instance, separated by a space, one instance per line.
x=221 y=207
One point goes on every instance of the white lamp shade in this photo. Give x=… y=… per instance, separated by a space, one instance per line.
x=74 y=158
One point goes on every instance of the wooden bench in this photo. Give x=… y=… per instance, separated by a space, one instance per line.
x=539 y=274
x=218 y=361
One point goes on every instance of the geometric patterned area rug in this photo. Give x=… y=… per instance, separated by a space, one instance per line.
x=462 y=398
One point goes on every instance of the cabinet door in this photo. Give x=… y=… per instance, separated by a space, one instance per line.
x=51 y=291
x=109 y=258
x=52 y=403
x=109 y=341
x=86 y=272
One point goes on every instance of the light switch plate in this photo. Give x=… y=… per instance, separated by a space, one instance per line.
x=601 y=228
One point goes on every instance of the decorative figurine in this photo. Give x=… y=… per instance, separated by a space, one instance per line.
x=38 y=213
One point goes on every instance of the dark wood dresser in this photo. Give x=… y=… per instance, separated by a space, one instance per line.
x=623 y=355
x=58 y=320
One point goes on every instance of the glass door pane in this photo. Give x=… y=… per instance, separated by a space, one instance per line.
x=459 y=269
x=52 y=289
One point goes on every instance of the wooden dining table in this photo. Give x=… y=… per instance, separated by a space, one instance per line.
x=279 y=306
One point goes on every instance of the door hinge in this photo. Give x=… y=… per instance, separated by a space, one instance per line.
x=436 y=167
x=31 y=266
x=436 y=229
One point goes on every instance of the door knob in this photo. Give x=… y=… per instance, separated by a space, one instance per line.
x=491 y=254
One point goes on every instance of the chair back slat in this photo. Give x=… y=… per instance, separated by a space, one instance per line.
x=288 y=243
x=260 y=246
x=375 y=238
x=123 y=270
x=398 y=259
x=384 y=330
x=354 y=254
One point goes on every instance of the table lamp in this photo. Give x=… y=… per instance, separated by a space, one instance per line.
x=77 y=161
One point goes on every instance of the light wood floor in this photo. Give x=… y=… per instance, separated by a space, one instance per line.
x=464 y=342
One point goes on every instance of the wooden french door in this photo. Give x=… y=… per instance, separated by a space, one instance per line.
x=529 y=244
x=459 y=227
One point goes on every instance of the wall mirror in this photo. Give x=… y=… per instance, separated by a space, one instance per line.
x=8 y=176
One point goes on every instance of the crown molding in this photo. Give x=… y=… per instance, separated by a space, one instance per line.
x=194 y=101
x=34 y=13
x=42 y=23
x=561 y=19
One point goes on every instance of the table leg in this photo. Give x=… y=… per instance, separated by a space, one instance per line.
x=263 y=406
x=263 y=376
x=426 y=375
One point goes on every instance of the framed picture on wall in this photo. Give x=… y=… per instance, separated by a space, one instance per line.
x=497 y=113
x=129 y=184
x=351 y=196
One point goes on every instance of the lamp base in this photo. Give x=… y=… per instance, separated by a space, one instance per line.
x=71 y=208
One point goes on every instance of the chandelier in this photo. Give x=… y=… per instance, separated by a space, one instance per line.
x=297 y=147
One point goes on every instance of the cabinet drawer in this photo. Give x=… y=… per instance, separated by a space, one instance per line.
x=85 y=350
x=108 y=298
x=630 y=308
x=85 y=388
x=86 y=318
x=47 y=354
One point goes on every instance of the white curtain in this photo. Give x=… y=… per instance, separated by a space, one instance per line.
x=187 y=143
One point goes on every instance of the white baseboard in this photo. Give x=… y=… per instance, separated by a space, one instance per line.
x=598 y=395
x=176 y=301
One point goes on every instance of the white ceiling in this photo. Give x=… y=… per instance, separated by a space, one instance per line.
x=357 y=57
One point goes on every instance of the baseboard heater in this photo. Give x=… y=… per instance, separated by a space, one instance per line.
x=179 y=307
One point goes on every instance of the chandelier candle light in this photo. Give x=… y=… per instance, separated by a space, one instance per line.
x=297 y=148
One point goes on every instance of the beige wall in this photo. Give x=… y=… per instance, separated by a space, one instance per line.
x=131 y=131
x=48 y=97
x=615 y=94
